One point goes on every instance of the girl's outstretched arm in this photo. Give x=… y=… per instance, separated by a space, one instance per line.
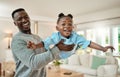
x=99 y=47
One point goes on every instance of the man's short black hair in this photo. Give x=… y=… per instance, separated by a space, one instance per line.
x=16 y=10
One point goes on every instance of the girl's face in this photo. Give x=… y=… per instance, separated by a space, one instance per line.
x=65 y=26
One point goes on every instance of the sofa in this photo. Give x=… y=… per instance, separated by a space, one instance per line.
x=92 y=65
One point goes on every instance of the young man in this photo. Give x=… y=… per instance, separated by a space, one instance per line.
x=31 y=63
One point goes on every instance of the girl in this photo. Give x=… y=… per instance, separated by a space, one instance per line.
x=66 y=33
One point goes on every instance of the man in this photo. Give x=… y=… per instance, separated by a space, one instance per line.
x=31 y=63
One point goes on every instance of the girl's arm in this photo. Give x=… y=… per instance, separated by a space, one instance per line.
x=99 y=47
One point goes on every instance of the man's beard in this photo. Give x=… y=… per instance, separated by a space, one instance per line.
x=26 y=31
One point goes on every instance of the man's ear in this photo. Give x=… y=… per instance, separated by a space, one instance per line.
x=14 y=23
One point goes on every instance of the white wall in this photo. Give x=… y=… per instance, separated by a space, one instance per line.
x=6 y=27
x=46 y=29
x=98 y=18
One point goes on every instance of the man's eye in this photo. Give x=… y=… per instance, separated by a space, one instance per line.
x=19 y=19
x=26 y=17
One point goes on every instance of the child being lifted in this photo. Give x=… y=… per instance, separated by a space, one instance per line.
x=66 y=33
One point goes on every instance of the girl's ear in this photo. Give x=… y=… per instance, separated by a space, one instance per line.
x=74 y=27
x=57 y=28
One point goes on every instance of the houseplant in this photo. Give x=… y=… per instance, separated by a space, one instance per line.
x=56 y=64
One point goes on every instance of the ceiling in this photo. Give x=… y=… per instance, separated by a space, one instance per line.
x=48 y=10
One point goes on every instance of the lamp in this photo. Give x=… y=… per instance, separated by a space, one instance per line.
x=9 y=36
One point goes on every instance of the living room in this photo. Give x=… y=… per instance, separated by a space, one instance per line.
x=96 y=20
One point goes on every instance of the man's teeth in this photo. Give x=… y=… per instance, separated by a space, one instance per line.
x=26 y=23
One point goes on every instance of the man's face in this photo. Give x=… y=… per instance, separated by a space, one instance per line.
x=22 y=21
x=65 y=26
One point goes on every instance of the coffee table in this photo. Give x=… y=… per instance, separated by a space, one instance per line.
x=63 y=73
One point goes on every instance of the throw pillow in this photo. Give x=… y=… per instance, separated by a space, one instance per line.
x=97 y=61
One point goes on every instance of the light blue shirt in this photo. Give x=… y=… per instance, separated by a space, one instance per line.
x=31 y=63
x=73 y=39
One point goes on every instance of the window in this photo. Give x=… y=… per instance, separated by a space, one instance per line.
x=103 y=36
x=119 y=38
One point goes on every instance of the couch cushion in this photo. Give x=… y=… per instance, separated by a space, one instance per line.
x=97 y=61
x=84 y=60
x=73 y=60
x=87 y=70
x=110 y=60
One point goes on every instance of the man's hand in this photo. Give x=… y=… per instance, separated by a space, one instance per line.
x=63 y=47
x=34 y=46
x=31 y=45
x=40 y=45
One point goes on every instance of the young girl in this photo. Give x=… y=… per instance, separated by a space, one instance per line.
x=66 y=33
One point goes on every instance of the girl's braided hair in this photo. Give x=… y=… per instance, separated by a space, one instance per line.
x=61 y=15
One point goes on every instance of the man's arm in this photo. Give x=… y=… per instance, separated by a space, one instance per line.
x=36 y=61
x=29 y=58
x=64 y=47
x=61 y=46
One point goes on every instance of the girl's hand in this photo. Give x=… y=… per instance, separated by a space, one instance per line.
x=109 y=47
